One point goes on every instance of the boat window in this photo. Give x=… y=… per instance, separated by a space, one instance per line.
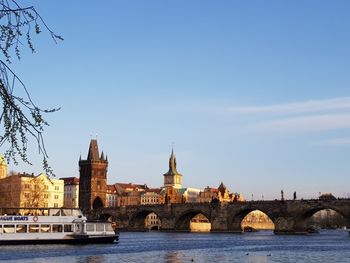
x=100 y=227
x=21 y=229
x=33 y=228
x=68 y=228
x=44 y=228
x=77 y=227
x=9 y=228
x=109 y=227
x=90 y=227
x=54 y=212
x=56 y=228
x=1 y=230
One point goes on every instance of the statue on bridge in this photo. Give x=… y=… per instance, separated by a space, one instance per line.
x=282 y=195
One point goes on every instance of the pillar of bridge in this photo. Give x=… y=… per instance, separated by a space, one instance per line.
x=287 y=225
x=220 y=219
x=167 y=224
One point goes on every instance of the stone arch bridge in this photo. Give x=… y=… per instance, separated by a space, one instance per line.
x=288 y=216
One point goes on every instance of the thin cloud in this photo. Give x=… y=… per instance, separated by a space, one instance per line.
x=313 y=123
x=310 y=106
x=336 y=142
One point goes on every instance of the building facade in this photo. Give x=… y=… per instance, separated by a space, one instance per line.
x=93 y=179
x=3 y=167
x=71 y=192
x=221 y=194
x=30 y=191
x=150 y=197
x=152 y=222
x=112 y=196
x=129 y=194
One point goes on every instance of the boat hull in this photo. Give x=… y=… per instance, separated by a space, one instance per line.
x=81 y=240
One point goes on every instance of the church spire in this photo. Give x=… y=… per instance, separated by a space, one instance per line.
x=172 y=163
x=102 y=156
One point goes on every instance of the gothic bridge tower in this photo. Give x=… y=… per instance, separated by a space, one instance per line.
x=93 y=179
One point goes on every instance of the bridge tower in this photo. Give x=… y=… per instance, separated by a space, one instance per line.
x=172 y=178
x=93 y=179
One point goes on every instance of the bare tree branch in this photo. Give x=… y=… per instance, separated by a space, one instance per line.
x=20 y=116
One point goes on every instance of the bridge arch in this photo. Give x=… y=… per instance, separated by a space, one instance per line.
x=237 y=221
x=137 y=221
x=303 y=221
x=183 y=222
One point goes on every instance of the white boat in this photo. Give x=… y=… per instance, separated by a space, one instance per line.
x=52 y=226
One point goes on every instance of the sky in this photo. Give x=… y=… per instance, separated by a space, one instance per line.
x=255 y=94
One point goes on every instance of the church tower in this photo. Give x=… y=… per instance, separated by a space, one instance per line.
x=3 y=167
x=93 y=179
x=172 y=178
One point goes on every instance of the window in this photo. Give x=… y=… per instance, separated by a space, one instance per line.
x=57 y=188
x=45 y=228
x=26 y=195
x=90 y=227
x=21 y=228
x=26 y=186
x=68 y=228
x=99 y=227
x=46 y=196
x=56 y=196
x=57 y=228
x=55 y=205
x=9 y=229
x=33 y=228
x=46 y=187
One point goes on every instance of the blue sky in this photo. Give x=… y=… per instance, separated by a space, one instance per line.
x=253 y=93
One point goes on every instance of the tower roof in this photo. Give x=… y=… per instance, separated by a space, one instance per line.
x=172 y=164
x=93 y=151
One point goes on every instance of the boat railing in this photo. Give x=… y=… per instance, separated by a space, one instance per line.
x=100 y=227
x=41 y=211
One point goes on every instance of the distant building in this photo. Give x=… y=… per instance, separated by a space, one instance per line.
x=93 y=179
x=71 y=192
x=257 y=220
x=129 y=194
x=190 y=195
x=30 y=191
x=150 y=196
x=3 y=167
x=112 y=196
x=221 y=194
x=208 y=194
x=152 y=222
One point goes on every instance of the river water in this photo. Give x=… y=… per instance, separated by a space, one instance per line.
x=259 y=247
